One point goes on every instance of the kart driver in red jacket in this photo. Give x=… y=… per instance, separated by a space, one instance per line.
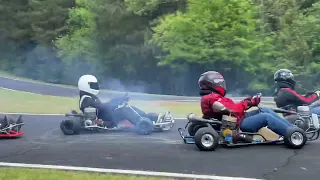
x=213 y=88
x=285 y=93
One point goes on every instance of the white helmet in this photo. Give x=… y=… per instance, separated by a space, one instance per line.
x=89 y=84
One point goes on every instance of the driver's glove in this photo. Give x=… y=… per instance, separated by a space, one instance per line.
x=252 y=101
x=256 y=101
x=248 y=101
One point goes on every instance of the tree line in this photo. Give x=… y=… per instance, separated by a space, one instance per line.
x=162 y=46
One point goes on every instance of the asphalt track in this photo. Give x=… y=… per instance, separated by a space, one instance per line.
x=44 y=143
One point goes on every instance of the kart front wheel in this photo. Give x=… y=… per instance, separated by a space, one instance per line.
x=144 y=126
x=206 y=139
x=295 y=138
x=70 y=126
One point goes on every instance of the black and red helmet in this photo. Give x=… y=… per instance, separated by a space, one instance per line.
x=212 y=80
x=284 y=76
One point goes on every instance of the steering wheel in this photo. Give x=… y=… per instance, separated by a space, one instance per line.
x=120 y=100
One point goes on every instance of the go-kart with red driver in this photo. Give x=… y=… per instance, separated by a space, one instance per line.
x=10 y=128
x=225 y=122
x=97 y=116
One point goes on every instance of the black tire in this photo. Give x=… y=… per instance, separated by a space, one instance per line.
x=298 y=121
x=70 y=126
x=203 y=133
x=295 y=134
x=144 y=126
x=193 y=127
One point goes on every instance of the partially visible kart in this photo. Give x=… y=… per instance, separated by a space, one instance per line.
x=89 y=121
x=208 y=134
x=303 y=118
x=11 y=128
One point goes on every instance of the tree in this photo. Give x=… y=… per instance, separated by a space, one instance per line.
x=212 y=33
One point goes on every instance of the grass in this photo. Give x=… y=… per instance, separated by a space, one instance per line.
x=24 y=102
x=44 y=174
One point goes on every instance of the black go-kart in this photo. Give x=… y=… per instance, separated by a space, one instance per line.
x=208 y=134
x=303 y=118
x=77 y=122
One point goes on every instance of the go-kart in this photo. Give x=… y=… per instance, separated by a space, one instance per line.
x=11 y=128
x=89 y=120
x=208 y=134
x=303 y=118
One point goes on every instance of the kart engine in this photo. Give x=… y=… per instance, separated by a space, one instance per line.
x=304 y=111
x=228 y=122
x=310 y=118
x=228 y=126
x=90 y=115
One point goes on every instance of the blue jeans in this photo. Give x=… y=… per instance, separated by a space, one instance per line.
x=316 y=110
x=256 y=120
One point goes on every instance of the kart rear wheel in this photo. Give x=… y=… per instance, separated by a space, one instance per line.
x=193 y=127
x=298 y=121
x=144 y=126
x=295 y=138
x=70 y=126
x=206 y=139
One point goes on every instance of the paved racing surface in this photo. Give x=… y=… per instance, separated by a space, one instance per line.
x=44 y=143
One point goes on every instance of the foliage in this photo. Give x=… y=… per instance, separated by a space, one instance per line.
x=161 y=46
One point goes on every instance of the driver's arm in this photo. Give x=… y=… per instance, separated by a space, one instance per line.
x=90 y=102
x=235 y=107
x=296 y=98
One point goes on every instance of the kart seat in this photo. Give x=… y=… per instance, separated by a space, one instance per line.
x=193 y=117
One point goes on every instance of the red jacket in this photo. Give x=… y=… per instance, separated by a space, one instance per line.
x=208 y=100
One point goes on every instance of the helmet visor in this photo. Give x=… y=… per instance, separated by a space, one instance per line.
x=220 y=82
x=94 y=85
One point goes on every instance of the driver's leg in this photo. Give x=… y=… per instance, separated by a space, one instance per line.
x=107 y=116
x=316 y=110
x=126 y=113
x=256 y=122
x=252 y=113
x=151 y=116
x=270 y=111
x=139 y=111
